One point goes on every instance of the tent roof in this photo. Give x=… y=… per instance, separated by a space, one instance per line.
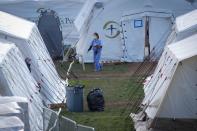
x=9 y=105
x=11 y=123
x=185 y=48
x=15 y=26
x=8 y=99
x=9 y=110
x=154 y=12
x=84 y=14
x=187 y=21
x=19 y=1
x=4 y=49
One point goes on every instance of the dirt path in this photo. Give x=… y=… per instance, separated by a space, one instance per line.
x=132 y=68
x=110 y=71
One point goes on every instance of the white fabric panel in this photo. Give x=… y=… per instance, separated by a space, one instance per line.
x=12 y=26
x=11 y=123
x=187 y=21
x=161 y=81
x=184 y=49
x=16 y=80
x=185 y=26
x=4 y=100
x=83 y=16
x=82 y=23
x=134 y=40
x=180 y=101
x=113 y=11
x=158 y=34
x=159 y=84
x=9 y=108
x=9 y=105
x=150 y=85
x=43 y=68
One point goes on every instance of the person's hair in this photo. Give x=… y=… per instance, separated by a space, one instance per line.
x=96 y=34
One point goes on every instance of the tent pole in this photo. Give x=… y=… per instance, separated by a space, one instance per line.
x=83 y=64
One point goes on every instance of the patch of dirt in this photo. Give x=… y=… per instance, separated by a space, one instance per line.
x=132 y=68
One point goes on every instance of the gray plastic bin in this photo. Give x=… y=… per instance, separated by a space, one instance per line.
x=74 y=101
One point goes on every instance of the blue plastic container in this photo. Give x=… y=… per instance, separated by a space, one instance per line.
x=74 y=101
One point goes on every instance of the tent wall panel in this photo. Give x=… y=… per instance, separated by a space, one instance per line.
x=180 y=100
x=16 y=80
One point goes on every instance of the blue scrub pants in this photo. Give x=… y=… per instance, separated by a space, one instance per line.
x=97 y=56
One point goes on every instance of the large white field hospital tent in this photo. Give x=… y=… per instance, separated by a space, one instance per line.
x=16 y=80
x=65 y=13
x=29 y=41
x=121 y=24
x=129 y=29
x=171 y=91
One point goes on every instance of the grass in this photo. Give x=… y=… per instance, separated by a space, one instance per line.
x=104 y=121
x=77 y=68
x=117 y=91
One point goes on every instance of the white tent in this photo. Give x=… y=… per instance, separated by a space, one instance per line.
x=66 y=10
x=171 y=92
x=185 y=25
x=122 y=26
x=16 y=80
x=14 y=113
x=11 y=123
x=27 y=38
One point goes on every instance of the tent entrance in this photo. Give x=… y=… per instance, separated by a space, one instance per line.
x=134 y=38
x=49 y=27
x=144 y=34
x=147 y=49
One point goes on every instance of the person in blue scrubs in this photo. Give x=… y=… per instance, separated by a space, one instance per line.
x=96 y=45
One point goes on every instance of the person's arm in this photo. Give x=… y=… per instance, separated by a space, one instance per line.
x=91 y=45
x=90 y=48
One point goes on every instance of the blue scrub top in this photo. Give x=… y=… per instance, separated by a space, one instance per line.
x=96 y=42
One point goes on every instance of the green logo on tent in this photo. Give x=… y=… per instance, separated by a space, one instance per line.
x=112 y=29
